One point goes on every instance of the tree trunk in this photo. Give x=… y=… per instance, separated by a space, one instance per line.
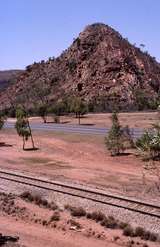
x=23 y=143
x=44 y=120
x=33 y=146
x=79 y=118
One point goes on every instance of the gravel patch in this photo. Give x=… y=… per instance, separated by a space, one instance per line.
x=136 y=219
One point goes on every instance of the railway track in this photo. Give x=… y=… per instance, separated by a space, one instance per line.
x=85 y=193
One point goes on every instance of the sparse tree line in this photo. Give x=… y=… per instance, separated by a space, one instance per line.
x=36 y=102
x=65 y=106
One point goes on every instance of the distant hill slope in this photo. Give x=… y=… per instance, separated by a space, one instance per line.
x=7 y=76
x=105 y=64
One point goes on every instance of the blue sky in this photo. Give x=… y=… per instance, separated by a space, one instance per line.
x=32 y=30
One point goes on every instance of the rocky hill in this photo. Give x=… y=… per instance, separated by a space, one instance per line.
x=104 y=65
x=7 y=77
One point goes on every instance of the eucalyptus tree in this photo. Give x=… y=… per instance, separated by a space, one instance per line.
x=23 y=126
x=119 y=138
x=78 y=106
x=148 y=146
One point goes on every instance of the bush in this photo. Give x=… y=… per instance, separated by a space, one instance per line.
x=111 y=223
x=57 y=119
x=26 y=195
x=122 y=225
x=67 y=206
x=118 y=138
x=44 y=203
x=153 y=237
x=77 y=211
x=42 y=112
x=38 y=200
x=104 y=222
x=146 y=235
x=72 y=65
x=53 y=206
x=89 y=215
x=141 y=99
x=78 y=106
x=113 y=140
x=98 y=216
x=139 y=231
x=128 y=231
x=149 y=144
x=55 y=216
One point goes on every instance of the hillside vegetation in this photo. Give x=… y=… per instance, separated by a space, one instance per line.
x=103 y=65
x=7 y=77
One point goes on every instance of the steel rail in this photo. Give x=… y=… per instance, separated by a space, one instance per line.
x=91 y=191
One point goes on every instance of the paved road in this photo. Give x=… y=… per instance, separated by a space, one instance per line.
x=82 y=129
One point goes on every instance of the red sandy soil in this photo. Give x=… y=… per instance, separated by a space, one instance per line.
x=77 y=157
x=59 y=233
x=135 y=119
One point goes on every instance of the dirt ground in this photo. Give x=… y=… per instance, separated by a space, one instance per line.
x=36 y=227
x=134 y=120
x=79 y=158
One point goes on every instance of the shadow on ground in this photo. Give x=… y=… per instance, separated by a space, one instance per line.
x=31 y=149
x=3 y=144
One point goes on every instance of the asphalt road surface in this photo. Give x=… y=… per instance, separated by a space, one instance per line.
x=81 y=129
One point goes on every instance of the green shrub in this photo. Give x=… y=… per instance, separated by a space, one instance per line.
x=113 y=140
x=122 y=225
x=38 y=200
x=149 y=144
x=98 y=216
x=67 y=206
x=78 y=211
x=89 y=215
x=128 y=231
x=118 y=138
x=44 y=203
x=111 y=222
x=139 y=231
x=26 y=195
